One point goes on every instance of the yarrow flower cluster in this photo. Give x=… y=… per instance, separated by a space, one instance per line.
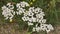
x=32 y=15
x=8 y=11
x=35 y=15
x=20 y=7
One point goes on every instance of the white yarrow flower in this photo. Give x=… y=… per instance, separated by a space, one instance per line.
x=23 y=4
x=29 y=23
x=34 y=29
x=4 y=7
x=10 y=6
x=32 y=9
x=18 y=5
x=43 y=20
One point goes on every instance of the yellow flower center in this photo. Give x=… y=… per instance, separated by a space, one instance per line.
x=10 y=20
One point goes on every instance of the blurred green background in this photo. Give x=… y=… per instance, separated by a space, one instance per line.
x=50 y=7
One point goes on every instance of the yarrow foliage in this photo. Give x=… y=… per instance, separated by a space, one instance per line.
x=32 y=15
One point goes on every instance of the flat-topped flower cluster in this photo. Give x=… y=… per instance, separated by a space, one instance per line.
x=32 y=15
